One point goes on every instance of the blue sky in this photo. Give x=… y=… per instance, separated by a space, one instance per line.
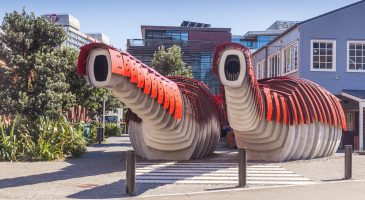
x=122 y=19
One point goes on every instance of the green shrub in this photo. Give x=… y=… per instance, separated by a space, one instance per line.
x=94 y=132
x=113 y=129
x=47 y=143
x=43 y=139
x=55 y=140
x=10 y=142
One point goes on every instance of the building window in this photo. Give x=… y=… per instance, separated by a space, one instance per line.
x=174 y=35
x=290 y=59
x=201 y=68
x=260 y=70
x=356 y=56
x=323 y=55
x=274 y=66
x=262 y=40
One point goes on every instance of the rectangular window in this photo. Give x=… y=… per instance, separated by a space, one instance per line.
x=260 y=69
x=323 y=55
x=167 y=35
x=290 y=59
x=356 y=56
x=184 y=36
x=274 y=66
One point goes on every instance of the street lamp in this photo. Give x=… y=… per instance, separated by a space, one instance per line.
x=105 y=99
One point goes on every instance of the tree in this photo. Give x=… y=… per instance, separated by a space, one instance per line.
x=95 y=102
x=34 y=83
x=86 y=95
x=41 y=78
x=170 y=63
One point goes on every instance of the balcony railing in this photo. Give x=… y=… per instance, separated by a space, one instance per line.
x=153 y=43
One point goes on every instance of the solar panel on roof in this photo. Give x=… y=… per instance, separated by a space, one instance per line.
x=194 y=24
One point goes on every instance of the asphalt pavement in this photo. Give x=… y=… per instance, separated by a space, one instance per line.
x=100 y=174
x=339 y=190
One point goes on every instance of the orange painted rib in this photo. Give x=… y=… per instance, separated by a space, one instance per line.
x=117 y=62
x=277 y=104
x=336 y=112
x=323 y=103
x=167 y=96
x=306 y=109
x=342 y=116
x=330 y=105
x=269 y=104
x=147 y=82
x=294 y=110
x=285 y=110
x=127 y=65
x=172 y=100
x=317 y=103
x=178 y=105
x=299 y=107
x=154 y=86
x=160 y=90
x=134 y=71
x=141 y=76
x=311 y=101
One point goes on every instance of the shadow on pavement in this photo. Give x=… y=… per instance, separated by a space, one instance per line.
x=117 y=189
x=91 y=164
x=334 y=180
x=113 y=190
x=100 y=160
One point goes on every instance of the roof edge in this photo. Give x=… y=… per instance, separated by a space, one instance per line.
x=306 y=21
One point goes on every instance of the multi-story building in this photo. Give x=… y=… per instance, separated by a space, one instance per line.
x=71 y=26
x=102 y=37
x=257 y=39
x=197 y=41
x=329 y=50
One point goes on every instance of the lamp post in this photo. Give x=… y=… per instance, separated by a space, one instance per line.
x=105 y=99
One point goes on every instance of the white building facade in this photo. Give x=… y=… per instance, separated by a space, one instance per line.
x=71 y=26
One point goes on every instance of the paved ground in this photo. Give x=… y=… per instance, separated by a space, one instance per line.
x=101 y=172
x=214 y=173
x=353 y=190
x=327 y=169
x=98 y=174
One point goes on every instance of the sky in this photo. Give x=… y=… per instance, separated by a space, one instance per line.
x=121 y=20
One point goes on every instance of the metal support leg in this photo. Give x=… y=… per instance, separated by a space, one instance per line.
x=348 y=161
x=242 y=167
x=130 y=172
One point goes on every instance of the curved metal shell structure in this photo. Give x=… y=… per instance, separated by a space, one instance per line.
x=280 y=118
x=174 y=118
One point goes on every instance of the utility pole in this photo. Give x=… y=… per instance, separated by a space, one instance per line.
x=105 y=99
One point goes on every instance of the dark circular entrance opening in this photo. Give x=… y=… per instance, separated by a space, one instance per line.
x=232 y=67
x=101 y=68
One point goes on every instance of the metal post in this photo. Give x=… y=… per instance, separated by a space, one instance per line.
x=130 y=172
x=348 y=161
x=361 y=126
x=100 y=134
x=104 y=111
x=242 y=167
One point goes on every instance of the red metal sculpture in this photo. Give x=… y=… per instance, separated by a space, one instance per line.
x=279 y=118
